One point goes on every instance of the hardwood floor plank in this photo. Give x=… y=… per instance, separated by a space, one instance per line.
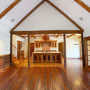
x=45 y=78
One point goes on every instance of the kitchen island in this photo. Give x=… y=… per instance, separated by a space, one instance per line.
x=47 y=57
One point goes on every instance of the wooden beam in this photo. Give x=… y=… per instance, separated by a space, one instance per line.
x=83 y=57
x=11 y=41
x=9 y=8
x=82 y=4
x=58 y=9
x=28 y=50
x=64 y=50
x=31 y=11
x=47 y=32
x=81 y=29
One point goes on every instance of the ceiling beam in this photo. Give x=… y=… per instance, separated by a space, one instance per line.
x=4 y=12
x=58 y=9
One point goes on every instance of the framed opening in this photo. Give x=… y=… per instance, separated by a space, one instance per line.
x=41 y=48
x=73 y=48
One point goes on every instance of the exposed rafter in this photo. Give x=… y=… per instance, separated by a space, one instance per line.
x=82 y=4
x=9 y=8
x=81 y=29
x=27 y=15
x=59 y=10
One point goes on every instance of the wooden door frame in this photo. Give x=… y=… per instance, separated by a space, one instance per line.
x=86 y=52
x=48 y=32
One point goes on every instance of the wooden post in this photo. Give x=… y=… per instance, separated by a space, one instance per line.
x=82 y=40
x=28 y=50
x=10 y=48
x=64 y=50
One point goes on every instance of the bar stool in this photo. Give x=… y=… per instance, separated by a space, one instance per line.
x=58 y=58
x=48 y=58
x=44 y=58
x=34 y=58
x=53 y=60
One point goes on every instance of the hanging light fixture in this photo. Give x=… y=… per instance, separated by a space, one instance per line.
x=45 y=37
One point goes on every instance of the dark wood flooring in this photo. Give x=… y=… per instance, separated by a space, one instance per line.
x=46 y=78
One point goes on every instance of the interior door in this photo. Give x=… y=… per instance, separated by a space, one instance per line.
x=76 y=51
x=19 y=46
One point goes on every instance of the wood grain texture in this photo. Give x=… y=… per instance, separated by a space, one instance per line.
x=46 y=78
x=82 y=4
x=47 y=32
x=9 y=8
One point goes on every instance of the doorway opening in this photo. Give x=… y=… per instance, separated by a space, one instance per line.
x=73 y=46
x=39 y=48
x=74 y=50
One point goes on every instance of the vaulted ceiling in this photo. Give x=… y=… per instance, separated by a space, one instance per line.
x=69 y=7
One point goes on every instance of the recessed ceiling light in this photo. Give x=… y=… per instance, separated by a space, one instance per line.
x=12 y=20
x=81 y=18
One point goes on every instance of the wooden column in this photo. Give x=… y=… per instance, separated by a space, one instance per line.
x=83 y=57
x=11 y=40
x=28 y=50
x=86 y=53
x=64 y=50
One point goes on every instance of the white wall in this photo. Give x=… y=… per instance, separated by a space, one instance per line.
x=73 y=47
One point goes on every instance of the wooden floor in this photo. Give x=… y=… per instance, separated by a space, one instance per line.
x=46 y=78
